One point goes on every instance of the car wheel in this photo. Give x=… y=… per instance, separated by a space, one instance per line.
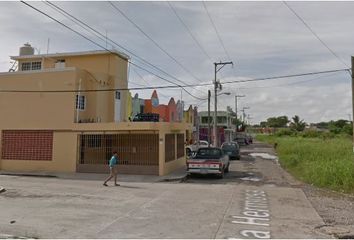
x=238 y=158
x=221 y=175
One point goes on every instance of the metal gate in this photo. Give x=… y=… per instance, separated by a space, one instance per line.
x=138 y=153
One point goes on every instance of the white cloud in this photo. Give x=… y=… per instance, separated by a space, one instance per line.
x=263 y=39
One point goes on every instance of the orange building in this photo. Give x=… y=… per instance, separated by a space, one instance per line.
x=164 y=113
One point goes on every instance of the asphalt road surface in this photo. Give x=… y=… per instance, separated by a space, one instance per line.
x=256 y=199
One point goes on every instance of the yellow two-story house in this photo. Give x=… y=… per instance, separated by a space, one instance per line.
x=66 y=112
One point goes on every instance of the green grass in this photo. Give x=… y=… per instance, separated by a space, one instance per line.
x=327 y=163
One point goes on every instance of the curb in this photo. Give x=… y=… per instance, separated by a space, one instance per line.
x=176 y=179
x=29 y=175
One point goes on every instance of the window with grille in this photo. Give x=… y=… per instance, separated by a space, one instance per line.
x=36 y=65
x=27 y=66
x=117 y=95
x=205 y=120
x=80 y=102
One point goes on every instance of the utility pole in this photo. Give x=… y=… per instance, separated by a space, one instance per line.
x=353 y=97
x=209 y=129
x=237 y=96
x=216 y=85
x=243 y=113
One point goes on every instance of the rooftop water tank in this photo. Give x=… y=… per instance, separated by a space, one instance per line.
x=27 y=49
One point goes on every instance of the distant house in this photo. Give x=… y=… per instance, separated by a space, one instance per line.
x=172 y=108
x=226 y=130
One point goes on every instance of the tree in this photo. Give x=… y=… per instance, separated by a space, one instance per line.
x=348 y=129
x=239 y=124
x=263 y=124
x=322 y=125
x=281 y=121
x=297 y=124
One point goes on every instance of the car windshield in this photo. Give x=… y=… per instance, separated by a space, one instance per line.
x=229 y=147
x=208 y=153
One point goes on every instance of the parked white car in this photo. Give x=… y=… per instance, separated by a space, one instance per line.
x=191 y=149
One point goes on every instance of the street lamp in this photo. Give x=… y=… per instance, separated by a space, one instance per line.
x=209 y=129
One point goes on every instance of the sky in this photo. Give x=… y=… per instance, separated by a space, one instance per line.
x=262 y=39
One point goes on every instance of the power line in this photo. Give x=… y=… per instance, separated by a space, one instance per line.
x=99 y=45
x=216 y=30
x=147 y=84
x=313 y=32
x=152 y=40
x=189 y=31
x=286 y=76
x=88 y=39
x=292 y=83
x=104 y=38
x=174 y=86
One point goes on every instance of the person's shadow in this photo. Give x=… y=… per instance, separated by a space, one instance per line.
x=132 y=187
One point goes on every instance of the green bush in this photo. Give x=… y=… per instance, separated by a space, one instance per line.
x=348 y=129
x=311 y=134
x=328 y=135
x=285 y=132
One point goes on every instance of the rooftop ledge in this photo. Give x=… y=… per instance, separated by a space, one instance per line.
x=131 y=126
x=71 y=54
x=46 y=70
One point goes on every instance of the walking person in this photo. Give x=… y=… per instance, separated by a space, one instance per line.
x=113 y=169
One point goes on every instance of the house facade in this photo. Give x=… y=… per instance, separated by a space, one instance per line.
x=67 y=112
x=226 y=129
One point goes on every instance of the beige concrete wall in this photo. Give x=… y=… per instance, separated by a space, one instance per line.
x=171 y=166
x=65 y=146
x=110 y=72
x=162 y=153
x=37 y=110
x=178 y=162
x=99 y=104
x=167 y=167
x=100 y=71
x=64 y=157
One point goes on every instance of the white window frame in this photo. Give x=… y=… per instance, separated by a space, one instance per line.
x=31 y=66
x=80 y=102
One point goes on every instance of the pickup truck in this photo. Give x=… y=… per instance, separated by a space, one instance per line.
x=209 y=160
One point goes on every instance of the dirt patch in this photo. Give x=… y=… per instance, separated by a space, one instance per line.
x=336 y=210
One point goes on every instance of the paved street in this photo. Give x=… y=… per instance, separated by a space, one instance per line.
x=257 y=199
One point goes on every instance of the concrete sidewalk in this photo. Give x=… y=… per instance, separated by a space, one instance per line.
x=176 y=175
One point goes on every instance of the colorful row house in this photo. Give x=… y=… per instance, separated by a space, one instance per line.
x=170 y=112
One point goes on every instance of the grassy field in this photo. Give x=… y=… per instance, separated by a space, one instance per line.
x=327 y=163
